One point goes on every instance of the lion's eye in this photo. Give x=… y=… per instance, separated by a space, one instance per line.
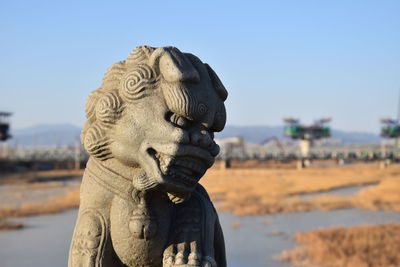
x=179 y=121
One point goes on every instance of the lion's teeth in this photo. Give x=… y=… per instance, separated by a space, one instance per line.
x=163 y=168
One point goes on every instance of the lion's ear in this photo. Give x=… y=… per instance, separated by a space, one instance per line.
x=218 y=86
x=174 y=66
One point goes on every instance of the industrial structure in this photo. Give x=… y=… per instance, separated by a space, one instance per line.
x=295 y=130
x=4 y=126
x=390 y=133
x=390 y=128
x=306 y=134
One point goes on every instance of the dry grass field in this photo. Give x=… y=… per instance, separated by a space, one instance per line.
x=253 y=191
x=54 y=204
x=36 y=193
x=58 y=203
x=359 y=246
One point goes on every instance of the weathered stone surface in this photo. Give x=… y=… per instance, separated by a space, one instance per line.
x=149 y=133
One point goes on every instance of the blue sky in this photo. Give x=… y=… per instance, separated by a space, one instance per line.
x=306 y=59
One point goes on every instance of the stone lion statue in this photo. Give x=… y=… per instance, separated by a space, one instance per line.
x=150 y=135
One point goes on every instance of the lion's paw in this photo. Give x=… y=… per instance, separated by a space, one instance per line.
x=186 y=255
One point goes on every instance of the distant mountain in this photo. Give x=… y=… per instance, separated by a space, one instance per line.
x=258 y=134
x=46 y=135
x=251 y=134
x=356 y=137
x=67 y=134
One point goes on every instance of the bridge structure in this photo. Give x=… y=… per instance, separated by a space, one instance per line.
x=287 y=151
x=74 y=156
x=229 y=147
x=50 y=157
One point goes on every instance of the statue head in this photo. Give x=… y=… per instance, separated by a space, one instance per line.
x=157 y=112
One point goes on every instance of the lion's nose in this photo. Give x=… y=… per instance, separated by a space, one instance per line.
x=200 y=137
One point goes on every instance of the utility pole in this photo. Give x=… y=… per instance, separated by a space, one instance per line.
x=77 y=156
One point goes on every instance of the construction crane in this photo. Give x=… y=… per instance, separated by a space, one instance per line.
x=276 y=141
x=4 y=126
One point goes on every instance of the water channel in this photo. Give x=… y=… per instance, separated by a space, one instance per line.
x=250 y=240
x=341 y=191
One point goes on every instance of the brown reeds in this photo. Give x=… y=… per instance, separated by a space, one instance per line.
x=266 y=191
x=384 y=196
x=52 y=205
x=359 y=246
x=7 y=225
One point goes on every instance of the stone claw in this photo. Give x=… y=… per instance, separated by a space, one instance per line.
x=184 y=255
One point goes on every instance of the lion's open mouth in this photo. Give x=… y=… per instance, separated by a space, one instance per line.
x=181 y=169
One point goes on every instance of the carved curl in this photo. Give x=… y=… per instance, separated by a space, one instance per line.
x=90 y=105
x=109 y=108
x=96 y=142
x=136 y=83
x=139 y=54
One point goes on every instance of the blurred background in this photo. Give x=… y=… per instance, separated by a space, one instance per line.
x=308 y=171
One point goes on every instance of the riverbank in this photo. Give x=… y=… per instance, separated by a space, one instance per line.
x=357 y=246
x=269 y=191
x=242 y=191
x=35 y=193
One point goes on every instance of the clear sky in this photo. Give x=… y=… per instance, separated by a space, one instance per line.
x=280 y=58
